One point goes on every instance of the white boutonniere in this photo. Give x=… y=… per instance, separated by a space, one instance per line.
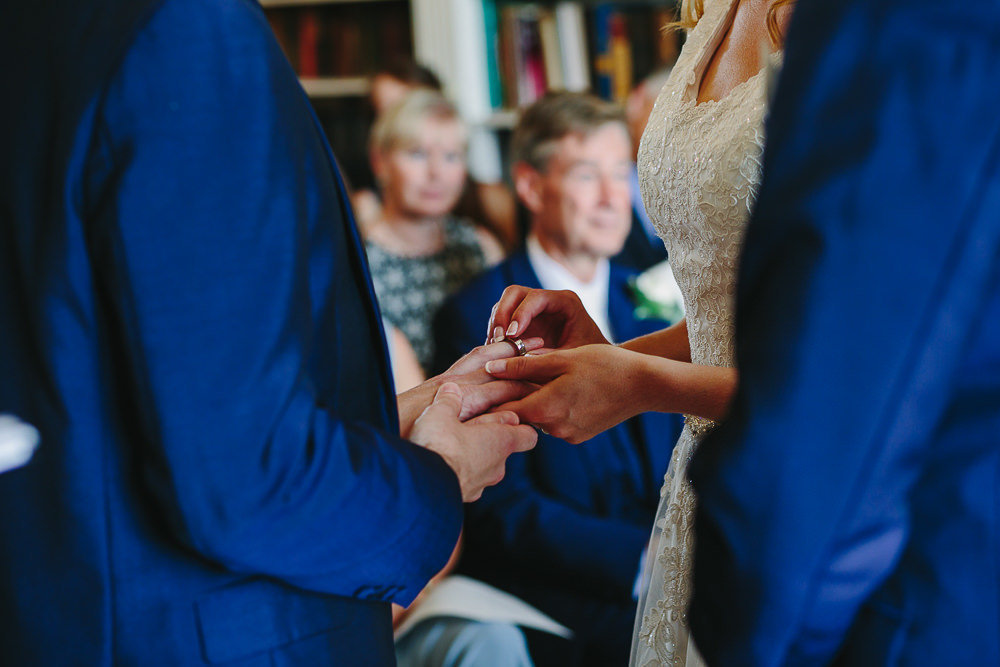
x=657 y=295
x=17 y=442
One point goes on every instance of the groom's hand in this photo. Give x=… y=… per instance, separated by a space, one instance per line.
x=480 y=391
x=476 y=450
x=558 y=317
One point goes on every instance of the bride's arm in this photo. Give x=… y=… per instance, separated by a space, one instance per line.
x=669 y=343
x=669 y=385
x=589 y=389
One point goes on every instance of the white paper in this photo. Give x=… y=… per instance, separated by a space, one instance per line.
x=17 y=442
x=461 y=597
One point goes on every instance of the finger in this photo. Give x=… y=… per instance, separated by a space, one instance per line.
x=477 y=357
x=508 y=302
x=537 y=369
x=490 y=326
x=505 y=440
x=506 y=348
x=447 y=401
x=530 y=410
x=524 y=438
x=503 y=350
x=505 y=418
x=536 y=303
x=480 y=398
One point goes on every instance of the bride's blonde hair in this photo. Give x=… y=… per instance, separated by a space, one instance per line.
x=692 y=10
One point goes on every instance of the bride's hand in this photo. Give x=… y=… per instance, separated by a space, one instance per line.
x=584 y=391
x=558 y=317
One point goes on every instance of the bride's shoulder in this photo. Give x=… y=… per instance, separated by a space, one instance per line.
x=709 y=14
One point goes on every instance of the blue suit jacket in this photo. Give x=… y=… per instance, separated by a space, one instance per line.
x=850 y=507
x=188 y=320
x=567 y=525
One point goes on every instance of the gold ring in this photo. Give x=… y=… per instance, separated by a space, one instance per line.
x=518 y=346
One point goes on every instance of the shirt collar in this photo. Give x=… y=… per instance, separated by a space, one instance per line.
x=554 y=276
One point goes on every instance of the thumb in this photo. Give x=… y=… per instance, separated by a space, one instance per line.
x=448 y=400
x=537 y=369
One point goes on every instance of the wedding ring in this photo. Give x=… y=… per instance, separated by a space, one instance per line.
x=518 y=346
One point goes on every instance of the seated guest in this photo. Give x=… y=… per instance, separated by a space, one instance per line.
x=418 y=252
x=485 y=198
x=389 y=86
x=566 y=529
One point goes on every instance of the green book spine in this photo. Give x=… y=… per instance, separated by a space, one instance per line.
x=491 y=26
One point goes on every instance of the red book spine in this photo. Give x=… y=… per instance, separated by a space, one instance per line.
x=308 y=44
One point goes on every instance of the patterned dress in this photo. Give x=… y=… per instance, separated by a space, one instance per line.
x=411 y=289
x=699 y=166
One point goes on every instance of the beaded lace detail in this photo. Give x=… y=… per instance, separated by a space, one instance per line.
x=700 y=167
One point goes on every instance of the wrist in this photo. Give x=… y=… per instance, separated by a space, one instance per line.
x=655 y=377
x=411 y=404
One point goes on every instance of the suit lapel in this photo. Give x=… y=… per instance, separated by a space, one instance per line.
x=518 y=271
x=621 y=309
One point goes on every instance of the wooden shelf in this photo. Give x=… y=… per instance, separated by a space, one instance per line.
x=336 y=86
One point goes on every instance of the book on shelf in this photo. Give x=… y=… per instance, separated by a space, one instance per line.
x=614 y=54
x=573 y=45
x=548 y=32
x=307 y=45
x=342 y=40
x=492 y=44
x=532 y=77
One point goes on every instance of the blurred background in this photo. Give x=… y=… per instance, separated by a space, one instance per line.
x=491 y=57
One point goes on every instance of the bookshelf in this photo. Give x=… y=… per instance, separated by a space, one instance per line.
x=493 y=56
x=335 y=46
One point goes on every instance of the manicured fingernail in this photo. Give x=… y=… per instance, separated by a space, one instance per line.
x=533 y=343
x=496 y=366
x=497 y=334
x=512 y=329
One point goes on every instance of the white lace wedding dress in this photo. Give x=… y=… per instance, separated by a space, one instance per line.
x=699 y=167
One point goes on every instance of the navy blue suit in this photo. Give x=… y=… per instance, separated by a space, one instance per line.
x=849 y=509
x=566 y=527
x=188 y=320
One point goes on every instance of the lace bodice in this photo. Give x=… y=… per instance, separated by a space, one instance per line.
x=699 y=167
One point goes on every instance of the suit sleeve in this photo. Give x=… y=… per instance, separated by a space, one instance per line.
x=533 y=529
x=217 y=188
x=547 y=535
x=863 y=272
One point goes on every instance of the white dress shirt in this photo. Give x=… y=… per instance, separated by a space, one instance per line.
x=554 y=276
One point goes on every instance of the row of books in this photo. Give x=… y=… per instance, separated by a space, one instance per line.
x=569 y=45
x=342 y=39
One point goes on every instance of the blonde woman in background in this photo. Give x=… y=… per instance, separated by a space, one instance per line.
x=699 y=170
x=418 y=251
